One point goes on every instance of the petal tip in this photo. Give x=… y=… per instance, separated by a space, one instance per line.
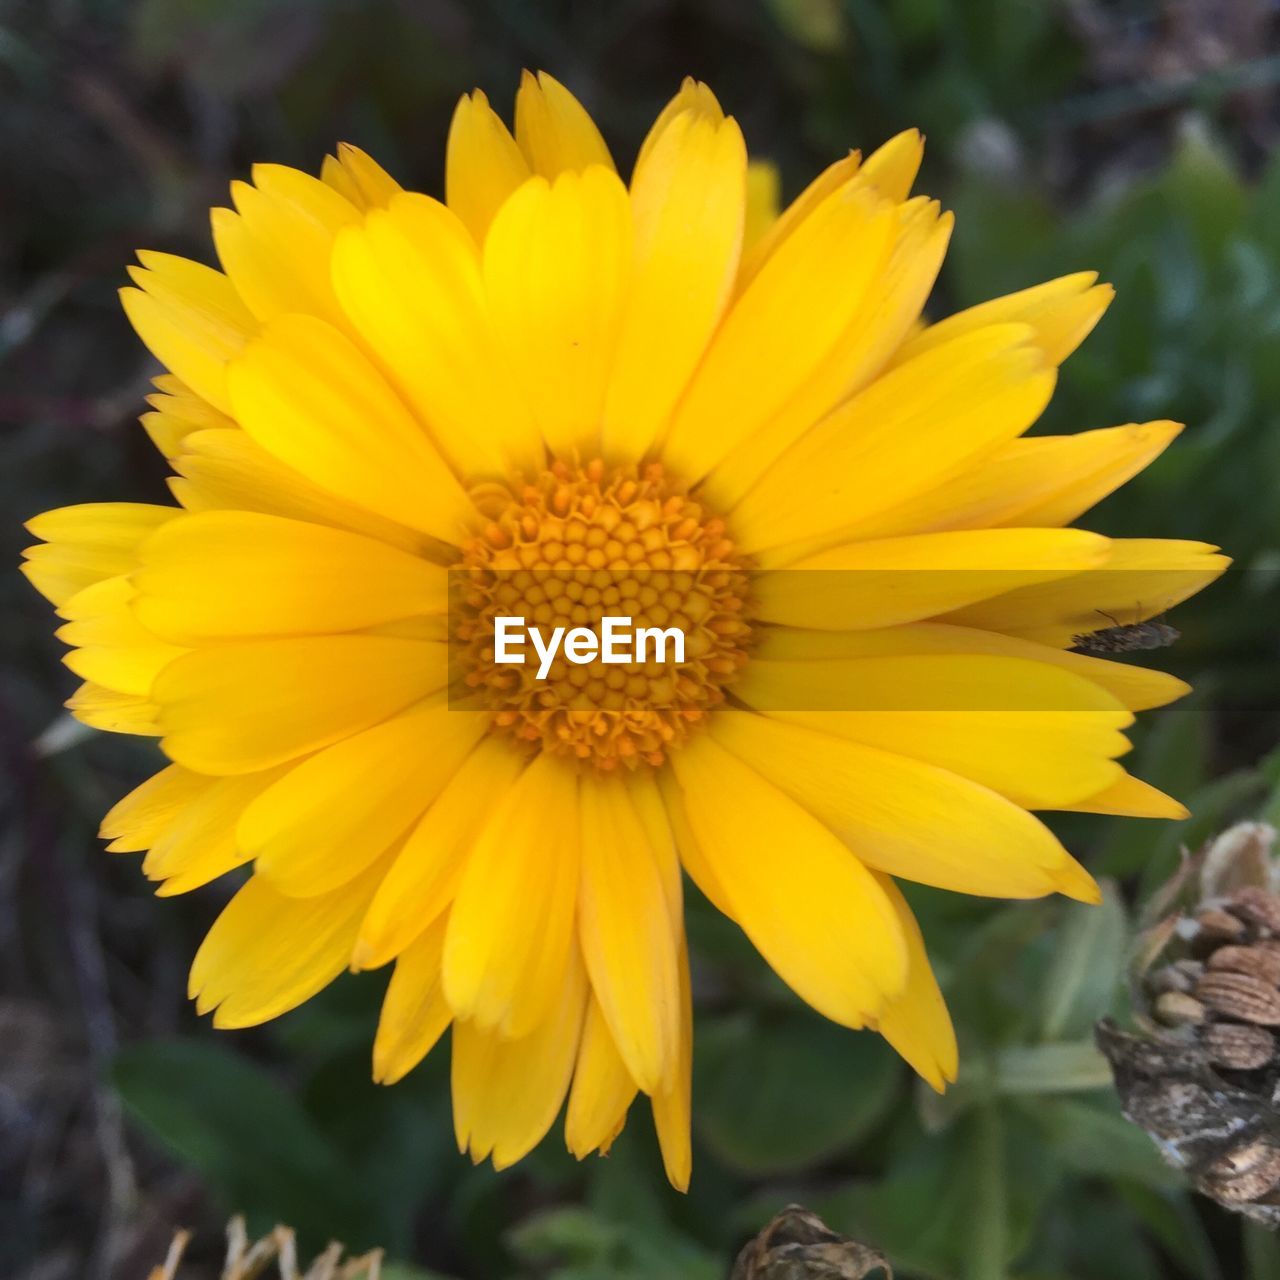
x=1075 y=882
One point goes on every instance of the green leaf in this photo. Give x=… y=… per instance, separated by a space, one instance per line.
x=1176 y=1226
x=963 y=1204
x=997 y=232
x=247 y=1135
x=773 y=1095
x=1203 y=185
x=1082 y=980
x=568 y=1235
x=1173 y=755
x=1261 y=1252
x=1051 y=1068
x=1097 y=1139
x=398 y=1143
x=1100 y=1239
x=991 y=989
x=579 y=1244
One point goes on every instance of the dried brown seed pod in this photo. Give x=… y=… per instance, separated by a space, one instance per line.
x=1238 y=1048
x=1202 y=1076
x=798 y=1245
x=1215 y=926
x=1256 y=906
x=1217 y=1133
x=1247 y=1173
x=1182 y=976
x=1261 y=960
x=1178 y=1009
x=1239 y=995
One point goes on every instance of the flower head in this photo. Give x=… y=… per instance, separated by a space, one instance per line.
x=559 y=396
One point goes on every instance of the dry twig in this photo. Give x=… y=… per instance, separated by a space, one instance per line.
x=249 y=1261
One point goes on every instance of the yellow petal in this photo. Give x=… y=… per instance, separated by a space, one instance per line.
x=892 y=168
x=891 y=683
x=190 y=318
x=227 y=471
x=1140 y=578
x=764 y=189
x=916 y=1022
x=173 y=396
x=335 y=813
x=507 y=1093
x=890 y=177
x=692 y=96
x=907 y=432
x=646 y=794
x=483 y=165
x=308 y=396
x=115 y=649
x=1062 y=312
x=409 y=281
x=275 y=247
x=687 y=203
x=1130 y=797
x=896 y=580
x=1089 y=466
x=424 y=875
x=268 y=953
x=920 y=245
x=811 y=909
x=904 y=817
x=602 y=1090
x=890 y=293
x=503 y=963
x=554 y=130
x=140 y=818
x=414 y=1010
x=178 y=413
x=223 y=575
x=166 y=431
x=557 y=264
x=87 y=544
x=200 y=845
x=627 y=933
x=1137 y=688
x=114 y=712
x=830 y=180
x=780 y=330
x=239 y=707
x=672 y=1105
x=1038 y=735
x=692 y=858
x=1044 y=482
x=358 y=177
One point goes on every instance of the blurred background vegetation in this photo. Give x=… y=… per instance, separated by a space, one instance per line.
x=1131 y=136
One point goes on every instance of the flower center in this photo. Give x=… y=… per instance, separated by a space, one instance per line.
x=571 y=547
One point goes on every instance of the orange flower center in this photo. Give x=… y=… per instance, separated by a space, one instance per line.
x=576 y=545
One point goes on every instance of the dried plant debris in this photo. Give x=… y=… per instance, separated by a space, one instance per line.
x=1202 y=1075
x=275 y=1255
x=798 y=1245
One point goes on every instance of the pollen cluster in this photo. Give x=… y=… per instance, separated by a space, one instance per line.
x=577 y=543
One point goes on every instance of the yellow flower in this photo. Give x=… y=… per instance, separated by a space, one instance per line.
x=554 y=372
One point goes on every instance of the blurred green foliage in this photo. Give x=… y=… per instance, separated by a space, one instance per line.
x=1066 y=136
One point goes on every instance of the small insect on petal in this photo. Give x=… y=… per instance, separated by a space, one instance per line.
x=1125 y=638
